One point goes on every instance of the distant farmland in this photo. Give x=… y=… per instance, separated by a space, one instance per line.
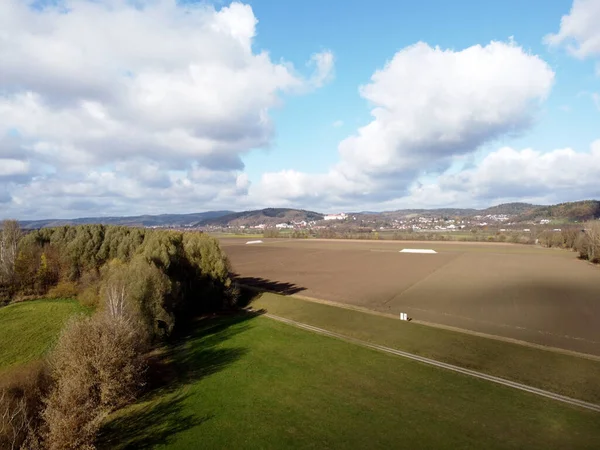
x=542 y=296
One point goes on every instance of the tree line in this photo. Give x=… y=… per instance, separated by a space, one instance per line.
x=140 y=283
x=584 y=239
x=367 y=233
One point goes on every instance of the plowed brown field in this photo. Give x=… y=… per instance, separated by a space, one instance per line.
x=542 y=296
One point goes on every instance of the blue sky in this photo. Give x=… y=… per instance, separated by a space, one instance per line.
x=363 y=38
x=117 y=107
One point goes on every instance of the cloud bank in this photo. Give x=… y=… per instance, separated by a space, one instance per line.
x=120 y=107
x=118 y=101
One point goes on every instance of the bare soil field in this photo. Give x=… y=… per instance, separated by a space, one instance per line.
x=533 y=294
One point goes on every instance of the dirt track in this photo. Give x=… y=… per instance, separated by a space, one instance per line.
x=442 y=365
x=537 y=295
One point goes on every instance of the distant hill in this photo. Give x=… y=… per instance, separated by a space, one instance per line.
x=450 y=212
x=268 y=216
x=571 y=211
x=519 y=212
x=161 y=220
x=510 y=209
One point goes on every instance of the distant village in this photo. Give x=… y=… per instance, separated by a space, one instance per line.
x=380 y=222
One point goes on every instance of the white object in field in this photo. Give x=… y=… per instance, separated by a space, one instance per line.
x=403 y=316
x=417 y=250
x=254 y=242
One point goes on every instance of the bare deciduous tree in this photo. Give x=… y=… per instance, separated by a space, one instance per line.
x=9 y=241
x=14 y=422
x=115 y=300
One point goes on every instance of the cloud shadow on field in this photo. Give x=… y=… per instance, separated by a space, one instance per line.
x=553 y=309
x=164 y=410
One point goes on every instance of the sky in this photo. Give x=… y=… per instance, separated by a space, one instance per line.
x=126 y=107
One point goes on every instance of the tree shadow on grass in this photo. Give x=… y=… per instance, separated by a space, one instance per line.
x=148 y=426
x=195 y=353
x=198 y=353
x=251 y=286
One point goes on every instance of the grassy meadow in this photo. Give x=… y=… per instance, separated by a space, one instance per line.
x=251 y=382
x=243 y=382
x=28 y=329
x=565 y=374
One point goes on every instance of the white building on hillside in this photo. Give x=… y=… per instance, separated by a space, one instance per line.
x=340 y=216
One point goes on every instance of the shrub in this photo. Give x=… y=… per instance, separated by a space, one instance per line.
x=592 y=231
x=569 y=236
x=89 y=296
x=545 y=238
x=557 y=240
x=271 y=233
x=89 y=289
x=64 y=289
x=21 y=393
x=6 y=294
x=97 y=366
x=582 y=246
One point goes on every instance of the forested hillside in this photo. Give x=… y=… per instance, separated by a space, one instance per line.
x=510 y=209
x=269 y=216
x=571 y=211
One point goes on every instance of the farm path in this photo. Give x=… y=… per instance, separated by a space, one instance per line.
x=442 y=365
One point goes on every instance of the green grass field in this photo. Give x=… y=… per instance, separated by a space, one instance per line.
x=565 y=374
x=28 y=329
x=256 y=383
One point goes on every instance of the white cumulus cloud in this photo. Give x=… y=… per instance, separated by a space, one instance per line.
x=506 y=173
x=429 y=105
x=579 y=30
x=324 y=64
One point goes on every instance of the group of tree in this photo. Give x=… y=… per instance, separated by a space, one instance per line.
x=584 y=239
x=368 y=233
x=138 y=282
x=165 y=272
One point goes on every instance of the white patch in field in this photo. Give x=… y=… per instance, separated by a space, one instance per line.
x=417 y=250
x=254 y=242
